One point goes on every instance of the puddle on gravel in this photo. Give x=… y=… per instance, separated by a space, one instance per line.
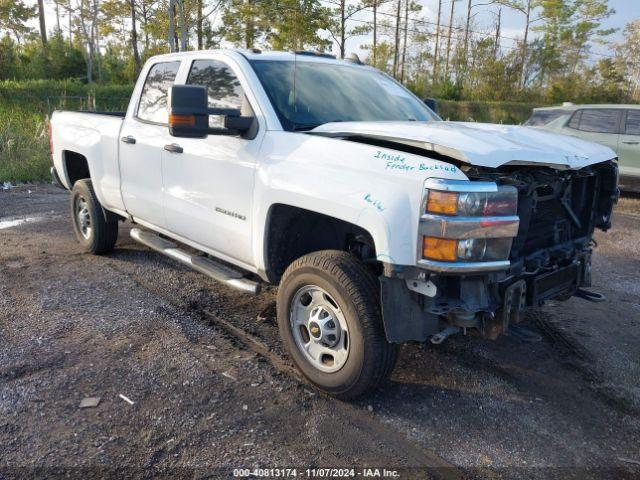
x=14 y=222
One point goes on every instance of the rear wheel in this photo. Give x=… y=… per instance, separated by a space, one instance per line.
x=330 y=322
x=93 y=231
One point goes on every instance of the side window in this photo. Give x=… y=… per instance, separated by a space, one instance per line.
x=153 y=101
x=633 y=122
x=575 y=120
x=599 y=120
x=223 y=85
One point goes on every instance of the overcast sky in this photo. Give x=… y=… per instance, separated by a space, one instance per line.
x=512 y=21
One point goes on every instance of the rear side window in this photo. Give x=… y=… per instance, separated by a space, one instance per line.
x=633 y=122
x=597 y=120
x=222 y=84
x=153 y=101
x=543 y=117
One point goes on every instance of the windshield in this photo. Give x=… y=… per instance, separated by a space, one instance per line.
x=327 y=92
x=544 y=117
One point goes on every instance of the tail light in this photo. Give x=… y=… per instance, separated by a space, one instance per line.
x=51 y=138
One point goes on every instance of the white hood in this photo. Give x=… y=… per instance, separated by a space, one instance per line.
x=482 y=144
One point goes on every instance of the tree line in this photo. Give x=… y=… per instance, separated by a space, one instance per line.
x=451 y=54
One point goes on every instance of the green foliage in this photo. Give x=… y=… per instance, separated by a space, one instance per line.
x=338 y=24
x=25 y=108
x=244 y=23
x=297 y=23
x=118 y=67
x=554 y=66
x=24 y=148
x=59 y=61
x=511 y=113
x=278 y=24
x=569 y=27
x=14 y=15
x=32 y=61
x=9 y=61
x=549 y=64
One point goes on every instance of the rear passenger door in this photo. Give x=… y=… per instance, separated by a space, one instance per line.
x=599 y=125
x=629 y=145
x=142 y=139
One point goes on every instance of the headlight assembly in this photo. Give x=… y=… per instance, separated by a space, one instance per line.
x=502 y=202
x=467 y=225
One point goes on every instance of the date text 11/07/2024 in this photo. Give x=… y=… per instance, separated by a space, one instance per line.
x=315 y=473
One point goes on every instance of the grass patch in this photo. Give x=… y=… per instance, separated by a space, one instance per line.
x=24 y=149
x=25 y=110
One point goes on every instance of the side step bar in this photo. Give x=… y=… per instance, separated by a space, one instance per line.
x=209 y=267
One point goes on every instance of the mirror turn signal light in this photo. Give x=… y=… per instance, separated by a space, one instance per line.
x=440 y=249
x=182 y=120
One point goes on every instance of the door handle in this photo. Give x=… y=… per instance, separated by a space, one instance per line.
x=173 y=147
x=129 y=139
x=630 y=142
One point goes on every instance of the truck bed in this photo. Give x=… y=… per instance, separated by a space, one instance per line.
x=94 y=136
x=111 y=114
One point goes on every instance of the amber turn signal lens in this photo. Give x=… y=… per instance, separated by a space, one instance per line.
x=439 y=249
x=442 y=202
x=182 y=120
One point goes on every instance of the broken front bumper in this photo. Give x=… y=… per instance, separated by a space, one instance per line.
x=417 y=305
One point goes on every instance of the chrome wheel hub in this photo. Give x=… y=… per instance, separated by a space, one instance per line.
x=322 y=327
x=319 y=328
x=83 y=218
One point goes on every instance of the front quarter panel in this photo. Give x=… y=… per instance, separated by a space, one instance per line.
x=378 y=189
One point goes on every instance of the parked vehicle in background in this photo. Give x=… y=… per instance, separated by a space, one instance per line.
x=616 y=126
x=381 y=223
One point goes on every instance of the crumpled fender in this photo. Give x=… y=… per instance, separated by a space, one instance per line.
x=378 y=189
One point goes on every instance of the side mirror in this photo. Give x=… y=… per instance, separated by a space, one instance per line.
x=189 y=114
x=432 y=103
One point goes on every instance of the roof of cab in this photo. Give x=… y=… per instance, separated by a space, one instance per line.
x=256 y=54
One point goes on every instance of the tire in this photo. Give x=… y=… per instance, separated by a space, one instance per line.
x=337 y=286
x=93 y=231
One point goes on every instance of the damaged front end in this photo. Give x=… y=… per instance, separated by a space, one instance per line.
x=511 y=238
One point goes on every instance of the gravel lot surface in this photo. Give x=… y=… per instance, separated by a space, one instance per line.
x=560 y=399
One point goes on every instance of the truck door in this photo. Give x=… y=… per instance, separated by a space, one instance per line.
x=142 y=139
x=629 y=145
x=209 y=182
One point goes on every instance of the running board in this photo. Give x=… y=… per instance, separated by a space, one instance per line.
x=209 y=267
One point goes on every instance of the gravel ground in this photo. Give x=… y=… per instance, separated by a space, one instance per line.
x=561 y=402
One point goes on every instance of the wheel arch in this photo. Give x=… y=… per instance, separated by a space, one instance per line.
x=76 y=167
x=292 y=232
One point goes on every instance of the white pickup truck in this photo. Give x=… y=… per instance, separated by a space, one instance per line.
x=381 y=223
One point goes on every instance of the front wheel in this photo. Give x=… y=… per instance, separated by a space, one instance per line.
x=93 y=230
x=330 y=322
